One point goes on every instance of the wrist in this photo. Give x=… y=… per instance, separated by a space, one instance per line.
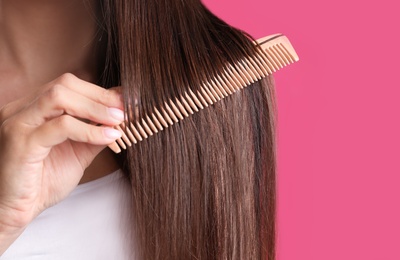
x=10 y=229
x=12 y=221
x=7 y=236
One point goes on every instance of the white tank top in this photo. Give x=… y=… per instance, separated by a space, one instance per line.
x=91 y=223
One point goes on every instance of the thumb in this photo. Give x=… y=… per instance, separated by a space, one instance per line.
x=85 y=153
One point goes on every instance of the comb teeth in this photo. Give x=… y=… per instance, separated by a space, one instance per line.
x=275 y=52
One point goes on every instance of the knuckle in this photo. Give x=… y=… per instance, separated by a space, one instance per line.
x=67 y=78
x=63 y=121
x=91 y=134
x=55 y=93
x=106 y=96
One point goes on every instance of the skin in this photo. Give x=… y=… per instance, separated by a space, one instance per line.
x=49 y=141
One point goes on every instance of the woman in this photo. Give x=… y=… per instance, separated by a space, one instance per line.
x=203 y=188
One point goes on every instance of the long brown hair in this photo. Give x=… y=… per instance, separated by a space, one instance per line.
x=203 y=188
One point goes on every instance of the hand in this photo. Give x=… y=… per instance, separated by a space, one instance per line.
x=47 y=141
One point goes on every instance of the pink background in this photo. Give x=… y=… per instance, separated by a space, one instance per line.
x=339 y=165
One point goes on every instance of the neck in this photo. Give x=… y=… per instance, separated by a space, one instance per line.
x=41 y=39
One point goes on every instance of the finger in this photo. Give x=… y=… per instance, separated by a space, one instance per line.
x=67 y=127
x=60 y=100
x=86 y=153
x=111 y=98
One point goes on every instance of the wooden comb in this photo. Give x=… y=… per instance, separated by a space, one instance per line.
x=274 y=53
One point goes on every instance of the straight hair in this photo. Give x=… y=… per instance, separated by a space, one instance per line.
x=203 y=188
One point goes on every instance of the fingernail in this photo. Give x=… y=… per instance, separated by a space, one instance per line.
x=116 y=113
x=112 y=133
